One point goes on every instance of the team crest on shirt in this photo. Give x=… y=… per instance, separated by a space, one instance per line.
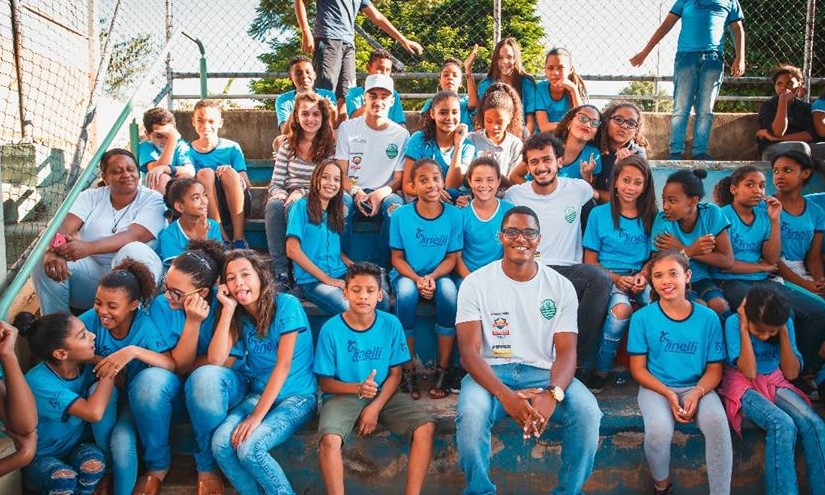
x=548 y=309
x=392 y=151
x=570 y=214
x=501 y=328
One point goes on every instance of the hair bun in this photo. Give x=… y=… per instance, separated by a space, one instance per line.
x=25 y=323
x=700 y=172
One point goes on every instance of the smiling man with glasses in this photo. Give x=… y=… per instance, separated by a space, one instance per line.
x=558 y=202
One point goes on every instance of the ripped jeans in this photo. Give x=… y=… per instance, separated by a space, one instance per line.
x=79 y=474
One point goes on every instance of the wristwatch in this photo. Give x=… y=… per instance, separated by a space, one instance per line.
x=556 y=392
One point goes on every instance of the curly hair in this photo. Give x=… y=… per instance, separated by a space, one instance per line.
x=132 y=277
x=502 y=96
x=607 y=114
x=563 y=129
x=202 y=261
x=335 y=208
x=266 y=299
x=323 y=144
x=721 y=191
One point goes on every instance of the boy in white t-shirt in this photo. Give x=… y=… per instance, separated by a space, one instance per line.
x=517 y=333
x=370 y=152
x=558 y=202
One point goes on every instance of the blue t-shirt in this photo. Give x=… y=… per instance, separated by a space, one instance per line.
x=466 y=114
x=703 y=23
x=419 y=147
x=677 y=351
x=528 y=93
x=262 y=353
x=335 y=19
x=286 y=102
x=172 y=241
x=621 y=250
x=170 y=323
x=710 y=220
x=321 y=244
x=355 y=100
x=574 y=169
x=350 y=355
x=545 y=102
x=58 y=432
x=481 y=244
x=143 y=333
x=425 y=242
x=225 y=153
x=767 y=354
x=148 y=153
x=798 y=230
x=747 y=241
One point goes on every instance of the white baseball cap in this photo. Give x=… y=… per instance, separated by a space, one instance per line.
x=381 y=81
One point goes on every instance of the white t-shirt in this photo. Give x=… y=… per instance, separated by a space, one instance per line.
x=373 y=156
x=559 y=218
x=518 y=319
x=94 y=208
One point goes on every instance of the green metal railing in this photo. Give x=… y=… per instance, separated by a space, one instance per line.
x=42 y=243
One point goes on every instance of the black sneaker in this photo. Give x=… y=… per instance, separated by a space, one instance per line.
x=595 y=383
x=282 y=282
x=804 y=385
x=665 y=491
x=454 y=378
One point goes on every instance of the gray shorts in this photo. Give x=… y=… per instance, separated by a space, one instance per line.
x=334 y=64
x=401 y=415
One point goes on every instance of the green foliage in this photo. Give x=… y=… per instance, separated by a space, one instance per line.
x=130 y=59
x=445 y=28
x=643 y=88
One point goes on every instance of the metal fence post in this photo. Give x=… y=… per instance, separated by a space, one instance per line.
x=169 y=22
x=497 y=21
x=810 y=22
x=17 y=47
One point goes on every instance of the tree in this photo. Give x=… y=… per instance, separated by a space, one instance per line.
x=645 y=88
x=130 y=59
x=445 y=28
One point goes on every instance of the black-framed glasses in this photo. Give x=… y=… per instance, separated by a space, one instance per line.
x=175 y=294
x=584 y=119
x=621 y=121
x=512 y=233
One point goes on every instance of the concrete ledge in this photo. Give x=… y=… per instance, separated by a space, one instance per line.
x=12 y=483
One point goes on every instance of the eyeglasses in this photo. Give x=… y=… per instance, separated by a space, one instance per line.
x=629 y=123
x=594 y=123
x=512 y=233
x=175 y=294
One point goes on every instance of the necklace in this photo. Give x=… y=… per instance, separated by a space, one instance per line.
x=128 y=207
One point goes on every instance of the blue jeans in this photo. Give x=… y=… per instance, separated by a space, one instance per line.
x=614 y=327
x=406 y=305
x=123 y=445
x=78 y=291
x=330 y=299
x=479 y=410
x=81 y=472
x=275 y=220
x=389 y=204
x=251 y=469
x=782 y=420
x=697 y=77
x=156 y=399
x=211 y=392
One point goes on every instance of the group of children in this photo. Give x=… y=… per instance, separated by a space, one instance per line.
x=113 y=381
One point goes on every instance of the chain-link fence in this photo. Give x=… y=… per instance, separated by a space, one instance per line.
x=67 y=66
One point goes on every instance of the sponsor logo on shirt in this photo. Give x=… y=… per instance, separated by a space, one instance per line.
x=677 y=347
x=740 y=244
x=502 y=350
x=392 y=150
x=501 y=328
x=258 y=346
x=789 y=233
x=570 y=214
x=429 y=241
x=357 y=354
x=548 y=309
x=628 y=239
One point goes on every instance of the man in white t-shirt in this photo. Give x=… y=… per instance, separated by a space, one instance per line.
x=370 y=152
x=516 y=328
x=558 y=202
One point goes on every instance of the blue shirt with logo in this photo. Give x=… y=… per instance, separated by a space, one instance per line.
x=767 y=354
x=710 y=220
x=143 y=333
x=573 y=170
x=555 y=109
x=350 y=355
x=58 y=432
x=798 y=231
x=528 y=93
x=678 y=351
x=148 y=153
x=704 y=22
x=285 y=102
x=262 y=352
x=225 y=153
x=425 y=242
x=172 y=241
x=355 y=100
x=621 y=250
x=321 y=244
x=481 y=244
x=466 y=114
x=170 y=322
x=747 y=241
x=420 y=147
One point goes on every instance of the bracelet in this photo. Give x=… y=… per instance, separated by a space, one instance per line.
x=704 y=392
x=684 y=253
x=359 y=391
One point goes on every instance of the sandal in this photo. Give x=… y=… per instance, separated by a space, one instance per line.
x=409 y=383
x=439 y=389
